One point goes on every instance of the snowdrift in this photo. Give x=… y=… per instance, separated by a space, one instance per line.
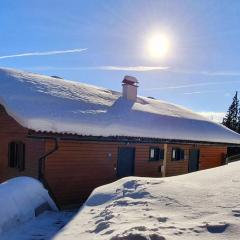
x=201 y=205
x=21 y=199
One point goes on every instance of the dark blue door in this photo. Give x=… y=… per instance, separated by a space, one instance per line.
x=193 y=162
x=125 y=164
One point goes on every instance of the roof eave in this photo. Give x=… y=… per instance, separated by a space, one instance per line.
x=121 y=139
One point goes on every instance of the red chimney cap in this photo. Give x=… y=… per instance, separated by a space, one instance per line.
x=130 y=80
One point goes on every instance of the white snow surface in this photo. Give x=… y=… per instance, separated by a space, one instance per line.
x=201 y=205
x=43 y=227
x=18 y=199
x=45 y=103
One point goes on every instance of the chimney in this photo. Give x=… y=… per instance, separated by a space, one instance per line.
x=129 y=89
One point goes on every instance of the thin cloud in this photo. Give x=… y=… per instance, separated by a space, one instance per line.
x=103 y=68
x=221 y=73
x=136 y=69
x=191 y=85
x=44 y=53
x=131 y=69
x=201 y=92
x=206 y=73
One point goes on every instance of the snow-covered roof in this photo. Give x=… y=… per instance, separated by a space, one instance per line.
x=43 y=103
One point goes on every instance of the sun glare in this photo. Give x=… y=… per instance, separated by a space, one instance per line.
x=158 y=46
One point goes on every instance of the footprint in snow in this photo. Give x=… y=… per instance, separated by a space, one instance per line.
x=100 y=227
x=162 y=219
x=236 y=212
x=138 y=236
x=216 y=228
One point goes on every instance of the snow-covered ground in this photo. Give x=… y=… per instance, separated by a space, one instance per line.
x=201 y=205
x=44 y=227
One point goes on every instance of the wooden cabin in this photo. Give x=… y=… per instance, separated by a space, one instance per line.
x=75 y=137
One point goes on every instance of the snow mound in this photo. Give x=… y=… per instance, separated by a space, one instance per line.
x=44 y=227
x=76 y=108
x=201 y=205
x=21 y=199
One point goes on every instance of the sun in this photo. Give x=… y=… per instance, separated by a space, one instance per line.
x=158 y=45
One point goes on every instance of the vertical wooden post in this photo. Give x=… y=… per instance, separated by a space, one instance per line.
x=165 y=161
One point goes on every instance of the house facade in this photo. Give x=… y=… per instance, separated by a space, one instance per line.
x=72 y=163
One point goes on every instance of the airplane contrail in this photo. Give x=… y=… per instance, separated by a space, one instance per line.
x=44 y=53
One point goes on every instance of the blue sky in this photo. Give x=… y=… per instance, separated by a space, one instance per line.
x=203 y=65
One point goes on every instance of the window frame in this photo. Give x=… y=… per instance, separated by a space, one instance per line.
x=16 y=155
x=158 y=154
x=178 y=154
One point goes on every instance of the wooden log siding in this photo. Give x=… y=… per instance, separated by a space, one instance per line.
x=144 y=167
x=10 y=130
x=212 y=156
x=177 y=167
x=82 y=166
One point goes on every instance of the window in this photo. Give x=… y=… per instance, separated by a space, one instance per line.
x=177 y=154
x=16 y=155
x=156 y=154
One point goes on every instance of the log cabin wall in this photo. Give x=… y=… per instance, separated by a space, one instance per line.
x=78 y=167
x=144 y=167
x=210 y=156
x=10 y=130
x=177 y=167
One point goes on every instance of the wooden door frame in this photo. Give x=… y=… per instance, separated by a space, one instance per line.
x=194 y=149
x=134 y=158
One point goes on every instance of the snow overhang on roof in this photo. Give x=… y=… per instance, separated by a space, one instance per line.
x=43 y=103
